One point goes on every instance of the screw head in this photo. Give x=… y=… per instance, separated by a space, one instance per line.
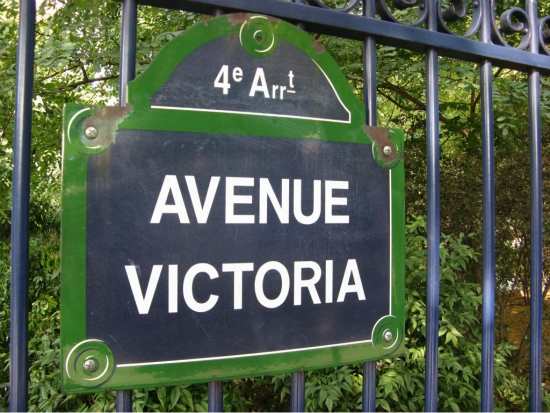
x=422 y=6
x=387 y=150
x=90 y=365
x=388 y=336
x=475 y=4
x=90 y=132
x=525 y=31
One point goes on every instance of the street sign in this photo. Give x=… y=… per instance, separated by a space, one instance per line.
x=236 y=218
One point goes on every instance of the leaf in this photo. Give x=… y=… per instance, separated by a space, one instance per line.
x=187 y=398
x=383 y=404
x=174 y=396
x=329 y=404
x=454 y=406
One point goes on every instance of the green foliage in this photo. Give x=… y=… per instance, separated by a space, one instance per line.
x=334 y=389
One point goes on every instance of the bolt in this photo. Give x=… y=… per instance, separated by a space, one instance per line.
x=422 y=6
x=475 y=4
x=387 y=150
x=90 y=365
x=91 y=132
x=388 y=336
x=525 y=31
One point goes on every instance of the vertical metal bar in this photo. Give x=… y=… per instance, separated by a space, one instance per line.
x=20 y=209
x=488 y=160
x=488 y=316
x=127 y=48
x=298 y=378
x=215 y=396
x=369 y=78
x=369 y=96
x=535 y=401
x=124 y=401
x=127 y=73
x=535 y=374
x=215 y=388
x=432 y=299
x=369 y=386
x=297 y=391
x=300 y=25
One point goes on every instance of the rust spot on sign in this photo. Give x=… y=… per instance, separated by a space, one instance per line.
x=318 y=46
x=381 y=137
x=236 y=18
x=106 y=121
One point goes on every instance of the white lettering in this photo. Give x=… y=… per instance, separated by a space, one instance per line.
x=328 y=281
x=259 y=284
x=266 y=195
x=309 y=284
x=172 y=288
x=316 y=213
x=222 y=80
x=259 y=84
x=143 y=303
x=237 y=270
x=170 y=184
x=231 y=199
x=202 y=212
x=274 y=89
x=237 y=74
x=188 y=296
x=351 y=271
x=281 y=209
x=331 y=201
x=351 y=284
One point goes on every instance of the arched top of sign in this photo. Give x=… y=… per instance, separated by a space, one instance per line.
x=247 y=65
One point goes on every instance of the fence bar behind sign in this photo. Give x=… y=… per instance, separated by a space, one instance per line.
x=127 y=47
x=127 y=73
x=369 y=386
x=432 y=300
x=297 y=391
x=369 y=92
x=535 y=374
x=488 y=160
x=20 y=209
x=215 y=396
x=298 y=378
x=215 y=388
x=124 y=401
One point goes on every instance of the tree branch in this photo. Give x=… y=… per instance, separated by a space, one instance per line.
x=84 y=74
x=80 y=83
x=417 y=103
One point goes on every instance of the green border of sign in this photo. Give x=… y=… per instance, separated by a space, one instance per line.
x=140 y=116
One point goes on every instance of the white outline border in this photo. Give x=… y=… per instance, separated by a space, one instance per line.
x=158 y=363
x=248 y=113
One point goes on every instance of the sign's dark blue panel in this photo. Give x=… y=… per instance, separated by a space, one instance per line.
x=175 y=199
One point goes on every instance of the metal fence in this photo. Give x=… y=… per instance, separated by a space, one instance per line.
x=429 y=34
